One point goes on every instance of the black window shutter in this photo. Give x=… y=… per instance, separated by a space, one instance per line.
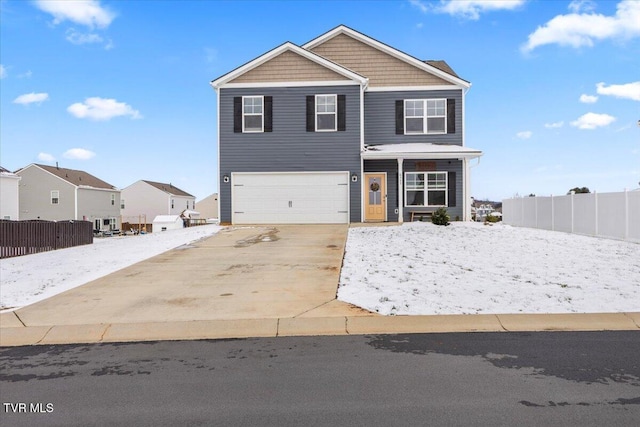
x=451 y=116
x=237 y=114
x=400 y=117
x=342 y=113
x=311 y=113
x=451 y=187
x=268 y=114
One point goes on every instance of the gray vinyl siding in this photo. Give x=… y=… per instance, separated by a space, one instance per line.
x=289 y=147
x=391 y=168
x=380 y=118
x=35 y=196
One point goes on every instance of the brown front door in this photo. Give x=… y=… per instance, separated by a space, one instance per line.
x=375 y=196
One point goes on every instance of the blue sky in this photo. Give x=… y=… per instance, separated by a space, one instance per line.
x=121 y=90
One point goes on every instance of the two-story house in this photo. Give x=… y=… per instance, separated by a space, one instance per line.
x=54 y=193
x=9 y=196
x=143 y=200
x=341 y=129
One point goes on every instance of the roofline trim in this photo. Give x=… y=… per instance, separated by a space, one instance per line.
x=288 y=46
x=343 y=29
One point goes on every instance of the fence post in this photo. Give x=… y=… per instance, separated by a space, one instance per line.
x=553 y=216
x=572 y=194
x=595 y=203
x=626 y=215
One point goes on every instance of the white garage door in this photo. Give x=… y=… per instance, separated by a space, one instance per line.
x=290 y=198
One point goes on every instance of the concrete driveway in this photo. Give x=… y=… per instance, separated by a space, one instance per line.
x=239 y=273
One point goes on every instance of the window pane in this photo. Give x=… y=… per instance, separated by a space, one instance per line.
x=253 y=122
x=326 y=121
x=435 y=107
x=435 y=125
x=414 y=125
x=415 y=198
x=415 y=181
x=436 y=198
x=437 y=181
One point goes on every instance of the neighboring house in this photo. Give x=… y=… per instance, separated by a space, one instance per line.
x=143 y=200
x=482 y=210
x=9 y=196
x=55 y=193
x=341 y=129
x=208 y=207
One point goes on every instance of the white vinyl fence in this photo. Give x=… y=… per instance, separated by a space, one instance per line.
x=611 y=215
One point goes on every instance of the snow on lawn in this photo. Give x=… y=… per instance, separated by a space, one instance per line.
x=31 y=278
x=468 y=268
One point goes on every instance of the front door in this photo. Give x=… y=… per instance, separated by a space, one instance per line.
x=375 y=196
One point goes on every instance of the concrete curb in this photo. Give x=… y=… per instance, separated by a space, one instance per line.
x=14 y=333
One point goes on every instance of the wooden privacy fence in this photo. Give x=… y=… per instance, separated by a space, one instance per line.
x=33 y=236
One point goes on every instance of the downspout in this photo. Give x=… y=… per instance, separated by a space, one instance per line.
x=75 y=202
x=218 y=132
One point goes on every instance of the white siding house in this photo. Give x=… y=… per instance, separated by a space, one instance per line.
x=54 y=193
x=208 y=207
x=9 y=198
x=144 y=200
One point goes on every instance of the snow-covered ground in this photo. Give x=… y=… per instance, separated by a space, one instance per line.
x=31 y=278
x=417 y=268
x=421 y=268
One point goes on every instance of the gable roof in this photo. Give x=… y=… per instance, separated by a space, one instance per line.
x=433 y=67
x=290 y=47
x=442 y=66
x=168 y=188
x=75 y=177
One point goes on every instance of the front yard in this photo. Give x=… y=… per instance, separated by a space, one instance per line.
x=468 y=268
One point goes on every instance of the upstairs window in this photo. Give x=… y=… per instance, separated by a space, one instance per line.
x=113 y=200
x=425 y=116
x=55 y=197
x=252 y=114
x=121 y=203
x=326 y=113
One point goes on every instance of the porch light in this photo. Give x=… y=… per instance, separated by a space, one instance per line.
x=225 y=178
x=354 y=177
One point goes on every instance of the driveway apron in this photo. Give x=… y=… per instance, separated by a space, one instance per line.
x=239 y=273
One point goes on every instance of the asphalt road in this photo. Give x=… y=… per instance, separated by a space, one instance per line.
x=558 y=378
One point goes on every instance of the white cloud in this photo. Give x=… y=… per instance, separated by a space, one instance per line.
x=582 y=29
x=3 y=72
x=420 y=5
x=554 y=125
x=26 y=75
x=84 y=12
x=78 y=154
x=629 y=90
x=524 y=134
x=577 y=6
x=46 y=157
x=593 y=121
x=77 y=37
x=588 y=99
x=31 y=98
x=471 y=9
x=102 y=109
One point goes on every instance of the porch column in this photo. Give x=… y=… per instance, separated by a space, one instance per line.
x=400 y=191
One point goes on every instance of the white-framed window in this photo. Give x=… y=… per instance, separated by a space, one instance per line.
x=55 y=197
x=252 y=114
x=113 y=224
x=326 y=113
x=172 y=203
x=425 y=189
x=113 y=200
x=425 y=116
x=121 y=203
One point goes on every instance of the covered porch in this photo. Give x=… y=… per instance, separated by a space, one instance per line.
x=404 y=182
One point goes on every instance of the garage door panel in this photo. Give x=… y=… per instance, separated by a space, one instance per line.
x=290 y=198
